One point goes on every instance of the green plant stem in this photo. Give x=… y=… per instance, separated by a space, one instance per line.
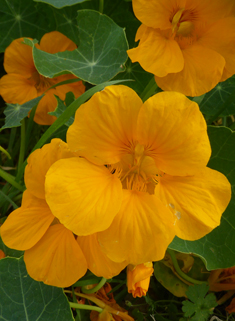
x=180 y=272
x=11 y=179
x=101 y=6
x=5 y=152
x=85 y=307
x=22 y=145
x=9 y=200
x=230 y=99
x=149 y=90
x=96 y=288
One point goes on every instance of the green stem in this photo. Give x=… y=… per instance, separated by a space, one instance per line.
x=96 y=288
x=101 y=6
x=9 y=200
x=5 y=152
x=180 y=272
x=230 y=99
x=149 y=90
x=85 y=307
x=11 y=179
x=22 y=145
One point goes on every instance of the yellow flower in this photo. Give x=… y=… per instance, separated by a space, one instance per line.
x=23 y=82
x=52 y=253
x=138 y=278
x=189 y=45
x=142 y=177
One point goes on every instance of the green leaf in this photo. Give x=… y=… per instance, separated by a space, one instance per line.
x=218 y=247
x=22 y=298
x=21 y=18
x=214 y=100
x=60 y=3
x=100 y=55
x=15 y=112
x=169 y=280
x=59 y=111
x=201 y=306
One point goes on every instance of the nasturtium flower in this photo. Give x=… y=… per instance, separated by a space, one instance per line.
x=23 y=82
x=52 y=252
x=138 y=278
x=140 y=174
x=188 y=45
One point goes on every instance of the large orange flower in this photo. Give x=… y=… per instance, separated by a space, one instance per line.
x=189 y=45
x=23 y=82
x=52 y=253
x=142 y=177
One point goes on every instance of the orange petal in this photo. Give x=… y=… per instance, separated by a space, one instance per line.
x=40 y=161
x=18 y=59
x=220 y=37
x=85 y=198
x=157 y=53
x=202 y=71
x=104 y=127
x=25 y=226
x=140 y=232
x=174 y=133
x=53 y=42
x=196 y=201
x=156 y=14
x=77 y=88
x=47 y=104
x=98 y=262
x=56 y=259
x=17 y=89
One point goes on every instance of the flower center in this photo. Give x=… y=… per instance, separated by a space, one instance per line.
x=182 y=24
x=137 y=171
x=41 y=83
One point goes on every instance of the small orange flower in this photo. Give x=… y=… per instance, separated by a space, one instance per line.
x=23 y=82
x=222 y=279
x=188 y=45
x=231 y=307
x=138 y=278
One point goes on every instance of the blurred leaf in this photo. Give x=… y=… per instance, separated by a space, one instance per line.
x=61 y=3
x=22 y=18
x=22 y=298
x=218 y=247
x=201 y=306
x=169 y=280
x=15 y=112
x=214 y=100
x=99 y=56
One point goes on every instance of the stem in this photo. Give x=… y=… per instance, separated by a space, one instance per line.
x=180 y=272
x=5 y=152
x=149 y=90
x=96 y=288
x=85 y=307
x=230 y=99
x=22 y=144
x=101 y=6
x=11 y=179
x=225 y=297
x=9 y=200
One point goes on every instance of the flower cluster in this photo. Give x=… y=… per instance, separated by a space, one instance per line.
x=23 y=82
x=131 y=176
x=188 y=45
